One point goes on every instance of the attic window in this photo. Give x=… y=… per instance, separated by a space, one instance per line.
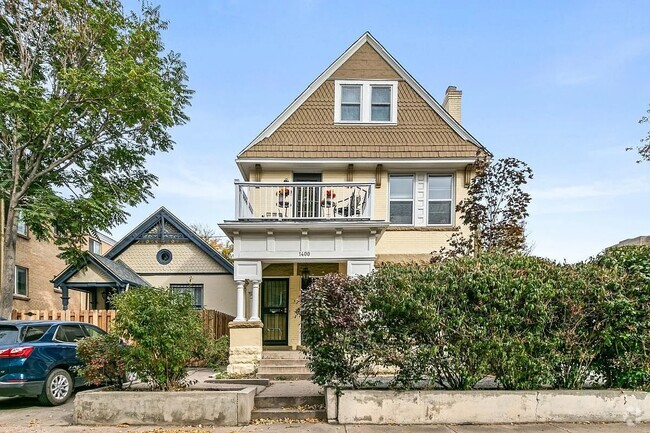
x=366 y=102
x=164 y=257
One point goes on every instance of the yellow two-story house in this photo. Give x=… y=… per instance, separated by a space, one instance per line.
x=363 y=167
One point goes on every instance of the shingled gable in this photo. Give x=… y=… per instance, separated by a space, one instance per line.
x=306 y=128
x=116 y=271
x=164 y=218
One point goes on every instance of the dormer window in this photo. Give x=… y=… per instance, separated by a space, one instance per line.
x=373 y=102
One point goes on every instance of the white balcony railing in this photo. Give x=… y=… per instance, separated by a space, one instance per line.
x=304 y=200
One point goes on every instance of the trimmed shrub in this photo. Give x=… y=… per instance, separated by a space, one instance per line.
x=527 y=321
x=624 y=355
x=165 y=332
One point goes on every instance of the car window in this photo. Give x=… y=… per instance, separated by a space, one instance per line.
x=69 y=333
x=8 y=334
x=33 y=332
x=93 y=331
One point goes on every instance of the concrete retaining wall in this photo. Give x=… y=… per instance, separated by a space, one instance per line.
x=99 y=407
x=485 y=407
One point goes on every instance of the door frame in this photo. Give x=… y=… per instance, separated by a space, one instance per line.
x=284 y=342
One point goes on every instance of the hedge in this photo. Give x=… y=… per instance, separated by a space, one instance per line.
x=528 y=321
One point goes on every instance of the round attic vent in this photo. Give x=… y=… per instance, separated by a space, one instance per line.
x=164 y=257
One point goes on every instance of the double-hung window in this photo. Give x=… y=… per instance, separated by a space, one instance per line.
x=380 y=104
x=21 y=287
x=401 y=198
x=440 y=196
x=365 y=102
x=351 y=103
x=195 y=290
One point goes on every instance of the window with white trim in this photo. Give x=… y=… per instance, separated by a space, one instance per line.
x=94 y=246
x=400 y=188
x=440 y=197
x=195 y=290
x=21 y=287
x=22 y=226
x=365 y=101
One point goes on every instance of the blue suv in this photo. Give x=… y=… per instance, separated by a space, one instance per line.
x=37 y=358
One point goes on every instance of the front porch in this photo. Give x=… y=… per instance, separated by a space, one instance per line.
x=267 y=310
x=284 y=235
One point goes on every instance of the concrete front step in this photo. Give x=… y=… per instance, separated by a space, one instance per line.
x=289 y=413
x=287 y=376
x=284 y=370
x=282 y=354
x=283 y=362
x=278 y=402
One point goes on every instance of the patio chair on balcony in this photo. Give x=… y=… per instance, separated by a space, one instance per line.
x=355 y=205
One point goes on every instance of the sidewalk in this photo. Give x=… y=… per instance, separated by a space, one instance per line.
x=327 y=428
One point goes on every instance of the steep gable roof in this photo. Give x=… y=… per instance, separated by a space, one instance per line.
x=299 y=131
x=164 y=225
x=116 y=271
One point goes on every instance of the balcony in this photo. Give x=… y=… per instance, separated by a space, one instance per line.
x=304 y=201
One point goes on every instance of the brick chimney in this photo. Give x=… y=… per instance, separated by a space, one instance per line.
x=452 y=102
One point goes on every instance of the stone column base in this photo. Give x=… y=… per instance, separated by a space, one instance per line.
x=245 y=347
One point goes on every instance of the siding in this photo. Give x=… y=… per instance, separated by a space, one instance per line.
x=186 y=257
x=310 y=131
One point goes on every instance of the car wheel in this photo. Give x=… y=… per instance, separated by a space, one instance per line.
x=58 y=388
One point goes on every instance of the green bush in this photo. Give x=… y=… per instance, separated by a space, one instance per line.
x=103 y=360
x=341 y=336
x=165 y=332
x=624 y=355
x=527 y=321
x=215 y=353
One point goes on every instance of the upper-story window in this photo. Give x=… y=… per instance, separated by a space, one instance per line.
x=401 y=198
x=440 y=196
x=22 y=226
x=21 y=287
x=94 y=246
x=365 y=101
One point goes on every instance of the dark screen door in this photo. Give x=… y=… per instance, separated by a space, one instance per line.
x=307 y=198
x=275 y=311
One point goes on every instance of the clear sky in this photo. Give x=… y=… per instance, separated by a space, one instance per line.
x=560 y=85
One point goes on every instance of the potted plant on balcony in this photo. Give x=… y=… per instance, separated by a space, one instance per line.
x=328 y=201
x=283 y=197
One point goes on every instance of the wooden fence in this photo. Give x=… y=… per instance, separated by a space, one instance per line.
x=215 y=322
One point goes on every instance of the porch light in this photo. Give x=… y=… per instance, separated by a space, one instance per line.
x=305 y=273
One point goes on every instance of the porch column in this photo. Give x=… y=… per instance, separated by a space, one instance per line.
x=65 y=296
x=241 y=316
x=255 y=302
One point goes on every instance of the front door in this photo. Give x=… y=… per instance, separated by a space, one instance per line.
x=275 y=311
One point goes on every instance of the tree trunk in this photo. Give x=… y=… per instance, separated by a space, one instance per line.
x=8 y=262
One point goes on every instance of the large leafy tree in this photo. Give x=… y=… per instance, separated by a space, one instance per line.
x=87 y=92
x=495 y=210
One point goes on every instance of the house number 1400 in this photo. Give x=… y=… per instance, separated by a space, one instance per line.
x=304 y=253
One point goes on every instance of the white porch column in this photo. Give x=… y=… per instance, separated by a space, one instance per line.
x=241 y=316
x=255 y=302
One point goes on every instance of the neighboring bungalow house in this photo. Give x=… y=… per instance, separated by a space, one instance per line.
x=37 y=263
x=363 y=167
x=162 y=252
